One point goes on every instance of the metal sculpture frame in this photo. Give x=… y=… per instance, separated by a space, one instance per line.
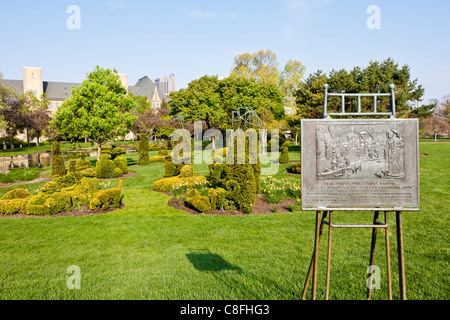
x=321 y=215
x=245 y=118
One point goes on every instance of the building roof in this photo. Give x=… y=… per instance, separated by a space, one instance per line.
x=63 y=90
x=146 y=87
x=15 y=84
x=59 y=90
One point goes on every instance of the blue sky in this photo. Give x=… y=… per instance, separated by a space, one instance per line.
x=194 y=38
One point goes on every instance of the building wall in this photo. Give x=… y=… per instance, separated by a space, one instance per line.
x=32 y=80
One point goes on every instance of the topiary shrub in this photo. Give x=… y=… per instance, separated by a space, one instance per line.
x=217 y=198
x=143 y=149
x=199 y=202
x=169 y=167
x=295 y=168
x=72 y=166
x=157 y=159
x=117 y=151
x=106 y=168
x=16 y=194
x=88 y=173
x=105 y=199
x=82 y=163
x=13 y=206
x=48 y=204
x=165 y=184
x=186 y=171
x=284 y=156
x=121 y=163
x=163 y=152
x=57 y=160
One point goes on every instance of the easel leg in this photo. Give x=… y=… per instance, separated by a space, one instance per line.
x=327 y=288
x=318 y=236
x=372 y=254
x=401 y=256
x=388 y=255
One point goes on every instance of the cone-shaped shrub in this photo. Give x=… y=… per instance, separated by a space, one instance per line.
x=143 y=149
x=58 y=167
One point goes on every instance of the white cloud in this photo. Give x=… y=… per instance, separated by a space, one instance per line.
x=117 y=4
x=206 y=14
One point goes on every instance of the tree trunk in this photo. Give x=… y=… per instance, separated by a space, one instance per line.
x=37 y=139
x=296 y=139
x=28 y=139
x=435 y=132
x=98 y=151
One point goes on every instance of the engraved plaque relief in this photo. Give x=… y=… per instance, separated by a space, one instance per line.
x=359 y=163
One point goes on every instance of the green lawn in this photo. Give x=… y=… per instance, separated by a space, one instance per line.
x=149 y=250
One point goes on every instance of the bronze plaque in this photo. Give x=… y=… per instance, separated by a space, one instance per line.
x=349 y=164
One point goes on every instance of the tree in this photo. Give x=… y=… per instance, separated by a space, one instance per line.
x=438 y=122
x=261 y=65
x=200 y=101
x=375 y=78
x=99 y=109
x=289 y=82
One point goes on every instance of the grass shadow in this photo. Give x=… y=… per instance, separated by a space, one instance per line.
x=204 y=260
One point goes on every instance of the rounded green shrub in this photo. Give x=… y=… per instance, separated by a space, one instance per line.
x=106 y=168
x=16 y=194
x=186 y=171
x=83 y=163
x=157 y=159
x=105 y=199
x=284 y=156
x=12 y=206
x=121 y=163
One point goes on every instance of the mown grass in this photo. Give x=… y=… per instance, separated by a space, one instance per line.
x=148 y=250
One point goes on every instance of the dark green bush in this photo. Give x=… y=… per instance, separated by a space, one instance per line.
x=284 y=156
x=143 y=149
x=295 y=168
x=105 y=168
x=169 y=167
x=57 y=160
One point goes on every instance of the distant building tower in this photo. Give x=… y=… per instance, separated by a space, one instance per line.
x=166 y=84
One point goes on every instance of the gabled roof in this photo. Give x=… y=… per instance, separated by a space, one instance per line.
x=146 y=87
x=59 y=90
x=15 y=84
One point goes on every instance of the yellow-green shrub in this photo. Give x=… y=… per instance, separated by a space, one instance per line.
x=199 y=202
x=48 y=204
x=16 y=194
x=82 y=163
x=157 y=159
x=106 y=168
x=105 y=199
x=121 y=163
x=186 y=171
x=12 y=206
x=165 y=184
x=217 y=198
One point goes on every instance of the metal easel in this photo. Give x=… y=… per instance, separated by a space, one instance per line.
x=321 y=219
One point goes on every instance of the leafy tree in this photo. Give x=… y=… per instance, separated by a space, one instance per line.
x=261 y=65
x=99 y=109
x=200 y=101
x=289 y=82
x=376 y=77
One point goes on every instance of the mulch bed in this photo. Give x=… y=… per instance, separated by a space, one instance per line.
x=261 y=207
x=73 y=213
